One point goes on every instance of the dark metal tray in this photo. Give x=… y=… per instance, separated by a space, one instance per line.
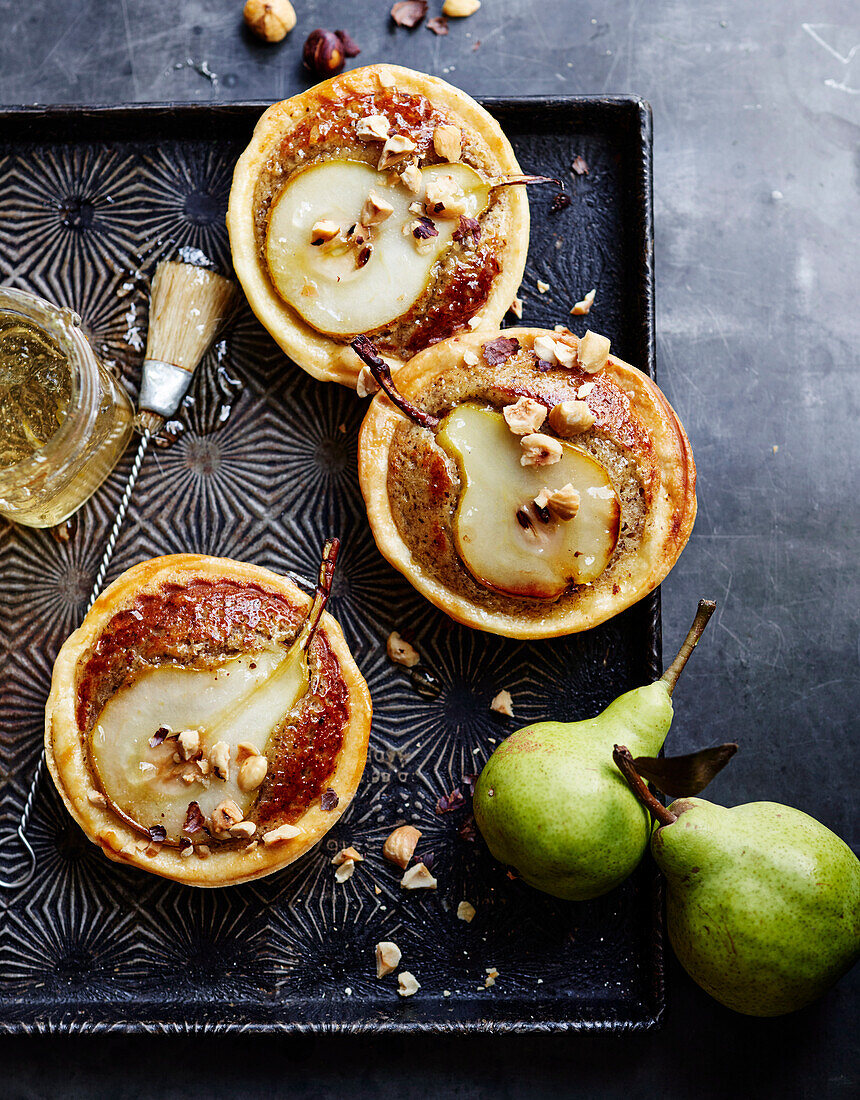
x=90 y=199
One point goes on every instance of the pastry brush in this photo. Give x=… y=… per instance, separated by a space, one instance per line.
x=188 y=306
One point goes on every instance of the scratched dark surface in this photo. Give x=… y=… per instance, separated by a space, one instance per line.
x=757 y=117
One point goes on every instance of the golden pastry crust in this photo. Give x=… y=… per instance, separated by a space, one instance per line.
x=636 y=435
x=485 y=147
x=66 y=742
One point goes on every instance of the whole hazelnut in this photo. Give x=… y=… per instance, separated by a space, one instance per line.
x=325 y=52
x=270 y=20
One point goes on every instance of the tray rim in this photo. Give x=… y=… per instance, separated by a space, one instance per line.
x=64 y=1021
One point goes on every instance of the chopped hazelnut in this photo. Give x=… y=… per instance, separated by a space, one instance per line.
x=585 y=389
x=202 y=851
x=544 y=348
x=186 y=850
x=562 y=503
x=245 y=749
x=417 y=877
x=443 y=198
x=244 y=830
x=219 y=758
x=539 y=450
x=466 y=912
x=372 y=128
x=252 y=773
x=344 y=870
x=400 y=651
x=503 y=703
x=581 y=308
x=324 y=230
x=542 y=286
x=460 y=9
x=358 y=236
x=366 y=385
x=395 y=148
x=281 y=834
x=385 y=78
x=225 y=815
x=347 y=853
x=410 y=177
x=96 y=798
x=388 y=957
x=407 y=984
x=525 y=416
x=571 y=418
x=189 y=743
x=375 y=210
x=593 y=352
x=128 y=849
x=271 y=20
x=470 y=359
x=566 y=354
x=447 y=141
x=490 y=979
x=400 y=845
x=423 y=245
x=516 y=307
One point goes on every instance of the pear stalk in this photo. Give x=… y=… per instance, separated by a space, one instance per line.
x=366 y=350
x=704 y=612
x=624 y=762
x=322 y=591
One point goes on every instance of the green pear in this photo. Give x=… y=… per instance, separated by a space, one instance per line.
x=763 y=902
x=551 y=803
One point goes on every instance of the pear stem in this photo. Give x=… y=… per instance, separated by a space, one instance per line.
x=322 y=592
x=624 y=762
x=366 y=351
x=705 y=611
x=509 y=181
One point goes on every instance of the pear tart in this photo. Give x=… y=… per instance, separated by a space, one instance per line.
x=526 y=482
x=377 y=202
x=207 y=722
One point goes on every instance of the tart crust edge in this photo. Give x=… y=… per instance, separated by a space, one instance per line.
x=318 y=354
x=66 y=758
x=669 y=521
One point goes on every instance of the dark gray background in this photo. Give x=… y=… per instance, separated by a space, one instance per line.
x=757 y=173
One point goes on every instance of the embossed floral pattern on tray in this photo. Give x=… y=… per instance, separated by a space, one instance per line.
x=262 y=468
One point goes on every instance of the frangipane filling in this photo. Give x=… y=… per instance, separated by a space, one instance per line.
x=210 y=715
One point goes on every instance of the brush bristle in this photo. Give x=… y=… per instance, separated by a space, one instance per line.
x=188 y=306
x=147 y=421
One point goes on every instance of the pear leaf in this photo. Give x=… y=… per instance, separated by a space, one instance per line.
x=680 y=776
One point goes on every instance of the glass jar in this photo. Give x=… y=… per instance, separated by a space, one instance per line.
x=52 y=482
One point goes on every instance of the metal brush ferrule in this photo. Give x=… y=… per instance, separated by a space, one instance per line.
x=162 y=387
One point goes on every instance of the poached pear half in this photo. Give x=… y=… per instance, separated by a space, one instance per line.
x=551 y=803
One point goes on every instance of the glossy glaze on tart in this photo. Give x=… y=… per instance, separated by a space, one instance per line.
x=635 y=451
x=197 y=730
x=307 y=155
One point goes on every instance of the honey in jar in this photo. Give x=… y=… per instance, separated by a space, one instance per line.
x=64 y=419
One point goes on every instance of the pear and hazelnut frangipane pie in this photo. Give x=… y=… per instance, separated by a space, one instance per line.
x=377 y=203
x=526 y=482
x=207 y=722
